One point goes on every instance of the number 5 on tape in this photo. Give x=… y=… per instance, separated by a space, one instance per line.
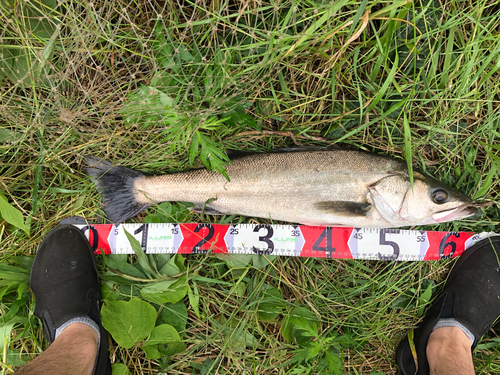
x=388 y=244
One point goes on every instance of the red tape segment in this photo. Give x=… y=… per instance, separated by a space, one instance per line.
x=284 y=240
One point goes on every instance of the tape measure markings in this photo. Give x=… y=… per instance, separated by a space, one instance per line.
x=285 y=240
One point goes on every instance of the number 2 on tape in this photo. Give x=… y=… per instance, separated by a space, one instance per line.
x=204 y=240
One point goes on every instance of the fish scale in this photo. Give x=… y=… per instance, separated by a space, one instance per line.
x=333 y=188
x=278 y=186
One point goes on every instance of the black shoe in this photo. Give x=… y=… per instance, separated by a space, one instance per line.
x=471 y=295
x=65 y=285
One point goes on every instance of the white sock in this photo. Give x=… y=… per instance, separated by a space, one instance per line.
x=452 y=322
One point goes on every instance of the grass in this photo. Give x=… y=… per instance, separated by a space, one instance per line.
x=159 y=85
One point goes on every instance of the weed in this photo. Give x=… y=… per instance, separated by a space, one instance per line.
x=167 y=86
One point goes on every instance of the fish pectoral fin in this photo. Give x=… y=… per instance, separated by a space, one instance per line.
x=207 y=210
x=344 y=208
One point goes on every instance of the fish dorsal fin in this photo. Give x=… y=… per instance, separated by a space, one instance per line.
x=303 y=149
x=238 y=154
x=344 y=208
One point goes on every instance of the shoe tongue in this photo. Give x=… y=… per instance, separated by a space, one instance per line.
x=447 y=311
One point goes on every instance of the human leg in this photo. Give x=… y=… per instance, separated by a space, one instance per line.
x=66 y=290
x=471 y=298
x=449 y=352
x=73 y=352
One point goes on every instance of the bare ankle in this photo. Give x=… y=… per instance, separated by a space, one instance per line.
x=73 y=352
x=449 y=352
x=82 y=331
x=450 y=336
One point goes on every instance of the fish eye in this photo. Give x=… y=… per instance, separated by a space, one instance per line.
x=439 y=196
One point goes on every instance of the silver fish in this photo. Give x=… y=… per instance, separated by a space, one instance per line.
x=330 y=188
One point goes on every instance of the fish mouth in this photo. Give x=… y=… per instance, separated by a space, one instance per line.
x=456 y=213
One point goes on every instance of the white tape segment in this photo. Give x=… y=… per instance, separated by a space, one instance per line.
x=283 y=240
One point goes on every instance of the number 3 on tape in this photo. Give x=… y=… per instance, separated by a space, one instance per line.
x=264 y=239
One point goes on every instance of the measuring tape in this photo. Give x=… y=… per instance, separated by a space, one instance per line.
x=284 y=240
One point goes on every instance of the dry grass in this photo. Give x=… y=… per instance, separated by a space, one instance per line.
x=308 y=73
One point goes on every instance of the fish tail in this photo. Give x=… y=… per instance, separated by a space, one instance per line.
x=116 y=186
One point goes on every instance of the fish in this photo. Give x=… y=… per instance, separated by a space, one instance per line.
x=321 y=187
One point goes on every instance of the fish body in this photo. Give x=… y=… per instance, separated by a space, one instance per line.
x=330 y=188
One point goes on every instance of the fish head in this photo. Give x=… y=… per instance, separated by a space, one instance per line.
x=432 y=202
x=428 y=201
